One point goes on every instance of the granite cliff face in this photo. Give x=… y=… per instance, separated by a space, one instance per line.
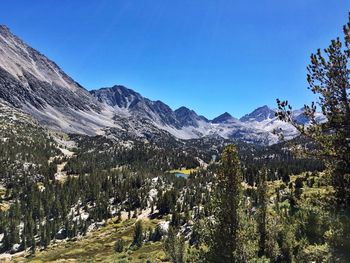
x=260 y=114
x=28 y=77
x=35 y=84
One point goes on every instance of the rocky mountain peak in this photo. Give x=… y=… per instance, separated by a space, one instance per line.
x=117 y=96
x=184 y=111
x=188 y=117
x=223 y=118
x=259 y=114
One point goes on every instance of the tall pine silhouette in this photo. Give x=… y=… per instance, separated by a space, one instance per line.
x=225 y=238
x=329 y=79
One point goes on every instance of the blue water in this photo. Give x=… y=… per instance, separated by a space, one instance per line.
x=181 y=175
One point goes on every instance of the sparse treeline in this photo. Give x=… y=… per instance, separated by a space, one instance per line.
x=106 y=179
x=44 y=209
x=275 y=221
x=328 y=78
x=24 y=151
x=54 y=210
x=137 y=156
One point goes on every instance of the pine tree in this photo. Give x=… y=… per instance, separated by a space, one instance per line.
x=138 y=234
x=33 y=248
x=119 y=245
x=157 y=234
x=175 y=219
x=329 y=78
x=262 y=212
x=224 y=243
x=175 y=246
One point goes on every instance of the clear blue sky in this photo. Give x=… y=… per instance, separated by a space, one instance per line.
x=209 y=55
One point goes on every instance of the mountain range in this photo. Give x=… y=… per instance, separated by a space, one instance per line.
x=32 y=83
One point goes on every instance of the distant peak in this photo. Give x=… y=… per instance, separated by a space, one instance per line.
x=120 y=87
x=182 y=109
x=260 y=114
x=116 y=89
x=226 y=114
x=225 y=117
x=265 y=107
x=188 y=117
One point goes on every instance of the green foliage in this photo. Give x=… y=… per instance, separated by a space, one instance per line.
x=225 y=241
x=166 y=202
x=138 y=235
x=119 y=245
x=157 y=234
x=175 y=246
x=262 y=218
x=329 y=79
x=100 y=153
x=25 y=148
